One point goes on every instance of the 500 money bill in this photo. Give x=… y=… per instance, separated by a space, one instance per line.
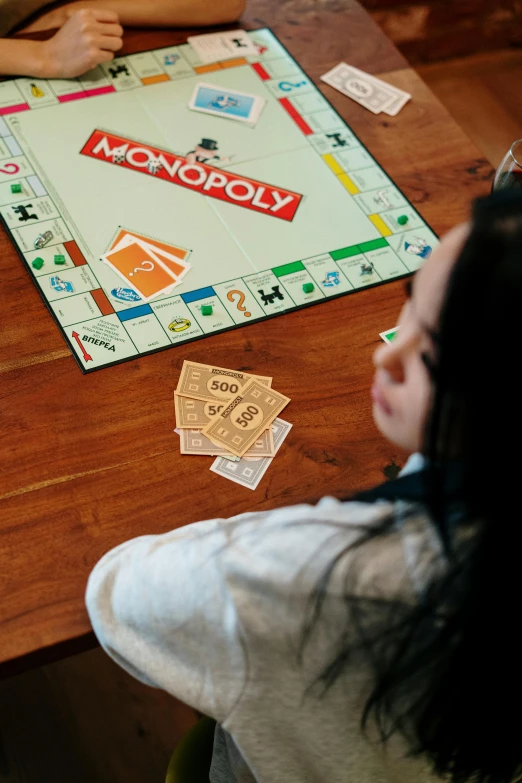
x=247 y=414
x=205 y=382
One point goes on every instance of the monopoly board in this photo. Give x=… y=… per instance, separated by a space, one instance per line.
x=272 y=216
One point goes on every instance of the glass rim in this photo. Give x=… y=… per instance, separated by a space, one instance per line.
x=516 y=144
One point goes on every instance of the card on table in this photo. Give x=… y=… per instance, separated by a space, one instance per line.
x=175 y=266
x=389 y=334
x=372 y=93
x=247 y=471
x=222 y=102
x=213 y=47
x=140 y=268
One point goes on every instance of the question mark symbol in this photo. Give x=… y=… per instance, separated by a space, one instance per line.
x=287 y=86
x=141 y=268
x=10 y=168
x=240 y=306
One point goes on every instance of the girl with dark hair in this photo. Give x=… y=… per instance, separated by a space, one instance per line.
x=370 y=640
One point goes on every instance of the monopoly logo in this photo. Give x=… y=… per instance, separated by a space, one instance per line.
x=207 y=180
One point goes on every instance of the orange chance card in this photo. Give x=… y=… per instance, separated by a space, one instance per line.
x=141 y=269
x=172 y=250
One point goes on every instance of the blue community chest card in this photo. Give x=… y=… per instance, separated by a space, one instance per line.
x=221 y=102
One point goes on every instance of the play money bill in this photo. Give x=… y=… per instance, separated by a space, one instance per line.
x=373 y=95
x=195 y=414
x=239 y=425
x=246 y=471
x=205 y=382
x=400 y=98
x=194 y=442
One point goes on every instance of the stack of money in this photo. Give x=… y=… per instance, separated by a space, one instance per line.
x=230 y=415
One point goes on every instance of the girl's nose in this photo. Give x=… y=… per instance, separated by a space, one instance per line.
x=388 y=357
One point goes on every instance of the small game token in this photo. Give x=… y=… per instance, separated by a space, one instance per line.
x=43 y=239
x=37 y=263
x=59 y=259
x=206 y=310
x=16 y=187
x=308 y=288
x=402 y=220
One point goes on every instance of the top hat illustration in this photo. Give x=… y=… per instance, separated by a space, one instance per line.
x=208 y=144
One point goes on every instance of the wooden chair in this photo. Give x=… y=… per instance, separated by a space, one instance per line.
x=190 y=762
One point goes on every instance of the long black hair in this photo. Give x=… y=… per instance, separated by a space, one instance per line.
x=447 y=670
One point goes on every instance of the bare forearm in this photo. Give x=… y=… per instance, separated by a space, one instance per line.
x=168 y=13
x=86 y=39
x=22 y=58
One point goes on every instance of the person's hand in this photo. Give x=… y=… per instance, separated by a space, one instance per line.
x=89 y=37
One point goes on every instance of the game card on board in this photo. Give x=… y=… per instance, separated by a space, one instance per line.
x=175 y=250
x=222 y=102
x=213 y=47
x=141 y=269
x=175 y=266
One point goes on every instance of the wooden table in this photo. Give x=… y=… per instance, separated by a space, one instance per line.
x=89 y=461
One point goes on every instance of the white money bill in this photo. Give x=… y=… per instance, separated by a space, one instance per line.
x=369 y=91
x=249 y=472
x=401 y=97
x=359 y=87
x=400 y=101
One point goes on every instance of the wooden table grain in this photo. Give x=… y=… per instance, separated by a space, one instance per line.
x=89 y=461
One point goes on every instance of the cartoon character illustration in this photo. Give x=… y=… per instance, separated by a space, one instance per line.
x=205 y=152
x=331 y=279
x=382 y=198
x=61 y=285
x=171 y=59
x=366 y=268
x=418 y=248
x=223 y=102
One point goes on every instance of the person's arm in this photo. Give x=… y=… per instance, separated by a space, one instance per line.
x=159 y=606
x=150 y=13
x=87 y=38
x=183 y=611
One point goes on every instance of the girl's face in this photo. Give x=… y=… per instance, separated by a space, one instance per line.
x=403 y=384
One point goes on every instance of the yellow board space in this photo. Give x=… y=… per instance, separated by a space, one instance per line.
x=380 y=225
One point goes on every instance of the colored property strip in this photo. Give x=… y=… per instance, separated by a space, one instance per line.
x=145 y=81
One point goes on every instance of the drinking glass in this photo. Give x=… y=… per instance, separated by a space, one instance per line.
x=509 y=173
